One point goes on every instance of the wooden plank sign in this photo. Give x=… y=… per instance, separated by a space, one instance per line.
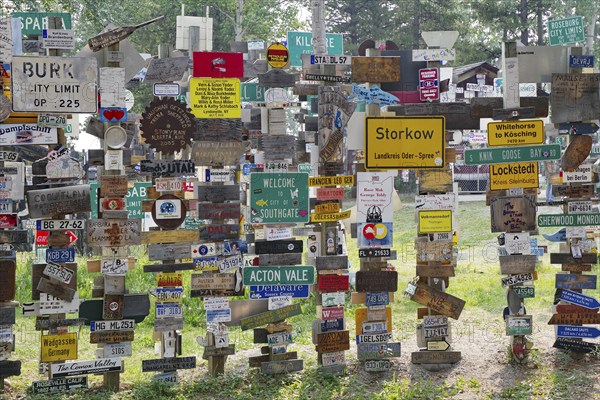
x=10 y=368
x=435 y=181
x=7 y=279
x=114 y=232
x=513 y=214
x=217 y=194
x=46 y=203
x=169 y=251
x=270 y=316
x=376 y=281
x=573 y=281
x=214 y=153
x=435 y=357
x=97 y=366
x=375 y=69
x=438 y=301
x=438 y=252
x=575 y=345
x=574 y=97
x=56 y=289
x=167 y=364
x=331 y=262
x=329 y=342
x=113 y=185
x=213 y=232
x=517 y=264
x=281 y=366
x=591 y=318
x=567 y=258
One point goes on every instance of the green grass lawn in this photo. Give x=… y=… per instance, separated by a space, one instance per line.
x=477 y=281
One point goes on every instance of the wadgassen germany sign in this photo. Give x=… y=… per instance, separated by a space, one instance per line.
x=405 y=142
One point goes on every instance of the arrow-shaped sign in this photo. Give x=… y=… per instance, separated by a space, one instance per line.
x=560 y=236
x=578 y=299
x=114 y=36
x=586 y=332
x=578 y=128
x=437 y=345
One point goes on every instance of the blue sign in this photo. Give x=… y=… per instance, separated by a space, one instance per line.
x=560 y=236
x=586 y=332
x=581 y=61
x=578 y=128
x=218 y=315
x=63 y=255
x=266 y=291
x=579 y=299
x=377 y=299
x=332 y=325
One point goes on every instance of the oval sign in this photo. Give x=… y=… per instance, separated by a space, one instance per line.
x=169 y=211
x=277 y=55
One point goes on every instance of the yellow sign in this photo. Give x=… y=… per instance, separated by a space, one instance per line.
x=506 y=176
x=433 y=221
x=347 y=180
x=59 y=347
x=329 y=207
x=215 y=98
x=508 y=133
x=360 y=316
x=169 y=279
x=329 y=217
x=277 y=55
x=405 y=142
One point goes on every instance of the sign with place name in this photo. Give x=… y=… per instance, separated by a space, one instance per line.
x=346 y=180
x=32 y=23
x=166 y=364
x=215 y=97
x=506 y=176
x=97 y=366
x=579 y=299
x=328 y=342
x=176 y=128
x=60 y=385
x=46 y=203
x=331 y=313
x=575 y=345
x=546 y=220
x=54 y=84
x=292 y=275
x=565 y=31
x=513 y=214
x=114 y=232
x=217 y=153
x=301 y=43
x=270 y=316
x=542 y=152
x=166 y=168
x=506 y=133
x=405 y=142
x=58 y=39
x=223 y=315
x=584 y=332
x=111 y=336
x=117 y=349
x=169 y=279
x=330 y=217
x=279 y=197
x=573 y=97
x=267 y=291
x=60 y=347
x=573 y=281
x=434 y=221
x=581 y=174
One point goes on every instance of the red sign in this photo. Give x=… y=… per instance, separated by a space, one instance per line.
x=113 y=204
x=328 y=313
x=429 y=84
x=188 y=186
x=333 y=283
x=41 y=237
x=8 y=220
x=217 y=64
x=330 y=193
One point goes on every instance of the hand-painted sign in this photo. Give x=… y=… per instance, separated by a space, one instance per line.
x=438 y=301
x=44 y=203
x=276 y=198
x=114 y=232
x=405 y=142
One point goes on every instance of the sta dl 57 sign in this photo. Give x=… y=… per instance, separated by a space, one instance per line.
x=405 y=142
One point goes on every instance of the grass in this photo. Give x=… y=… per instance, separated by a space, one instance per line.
x=551 y=375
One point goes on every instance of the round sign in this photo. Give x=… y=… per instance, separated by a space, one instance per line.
x=381 y=231
x=277 y=55
x=369 y=231
x=113 y=306
x=203 y=250
x=129 y=100
x=167 y=125
x=169 y=211
x=115 y=137
x=578 y=150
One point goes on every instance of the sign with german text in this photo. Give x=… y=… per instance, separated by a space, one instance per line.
x=514 y=175
x=508 y=133
x=26 y=134
x=431 y=221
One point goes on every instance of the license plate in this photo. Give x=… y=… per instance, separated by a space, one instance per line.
x=59 y=273
x=168 y=310
x=52 y=225
x=579 y=207
x=63 y=255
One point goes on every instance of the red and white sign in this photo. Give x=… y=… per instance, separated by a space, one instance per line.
x=41 y=237
x=8 y=221
x=217 y=64
x=429 y=84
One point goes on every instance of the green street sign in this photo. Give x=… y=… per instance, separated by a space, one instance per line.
x=301 y=43
x=32 y=23
x=134 y=198
x=279 y=197
x=565 y=31
x=501 y=155
x=546 y=220
x=292 y=275
x=252 y=92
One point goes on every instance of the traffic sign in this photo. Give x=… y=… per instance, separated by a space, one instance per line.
x=542 y=152
x=506 y=176
x=301 y=43
x=546 y=220
x=405 y=142
x=279 y=197
x=429 y=84
x=565 y=31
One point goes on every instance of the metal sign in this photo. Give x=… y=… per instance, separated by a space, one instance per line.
x=267 y=291
x=45 y=203
x=52 y=225
x=33 y=23
x=565 y=31
x=165 y=364
x=301 y=43
x=506 y=176
x=575 y=282
x=60 y=347
x=215 y=98
x=429 y=84
x=60 y=385
x=507 y=133
x=579 y=61
x=54 y=84
x=175 y=130
x=543 y=152
x=26 y=134
x=292 y=275
x=97 y=366
x=579 y=299
x=546 y=220
x=279 y=197
x=164 y=168
x=58 y=39
x=277 y=55
x=405 y=142
x=330 y=59
x=577 y=331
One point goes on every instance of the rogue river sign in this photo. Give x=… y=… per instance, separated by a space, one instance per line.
x=405 y=142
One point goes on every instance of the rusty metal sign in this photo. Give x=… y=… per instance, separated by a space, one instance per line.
x=167 y=125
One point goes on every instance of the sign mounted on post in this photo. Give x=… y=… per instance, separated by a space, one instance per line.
x=506 y=176
x=429 y=84
x=279 y=197
x=499 y=155
x=54 y=84
x=508 y=133
x=277 y=55
x=301 y=43
x=565 y=31
x=405 y=142
x=215 y=98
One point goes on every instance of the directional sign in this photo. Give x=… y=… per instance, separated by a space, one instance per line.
x=437 y=345
x=543 y=152
x=279 y=197
x=584 y=332
x=579 y=299
x=565 y=31
x=579 y=128
x=546 y=220
x=405 y=142
x=59 y=385
x=508 y=133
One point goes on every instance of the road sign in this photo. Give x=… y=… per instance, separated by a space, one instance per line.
x=498 y=155
x=577 y=331
x=579 y=299
x=521 y=175
x=292 y=275
x=430 y=221
x=54 y=84
x=405 y=142
x=437 y=345
x=279 y=197
x=508 y=133
x=252 y=92
x=32 y=23
x=301 y=43
x=429 y=84
x=546 y=220
x=565 y=31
